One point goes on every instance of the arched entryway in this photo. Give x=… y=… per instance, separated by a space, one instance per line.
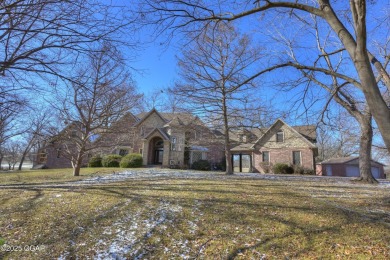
x=156 y=150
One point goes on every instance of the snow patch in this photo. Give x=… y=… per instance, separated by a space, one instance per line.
x=128 y=239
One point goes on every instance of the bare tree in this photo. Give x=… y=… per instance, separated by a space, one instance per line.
x=348 y=26
x=338 y=136
x=11 y=106
x=162 y=100
x=13 y=150
x=99 y=94
x=39 y=38
x=340 y=86
x=39 y=126
x=38 y=35
x=215 y=80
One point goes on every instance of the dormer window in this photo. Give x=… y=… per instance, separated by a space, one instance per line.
x=280 y=136
x=242 y=138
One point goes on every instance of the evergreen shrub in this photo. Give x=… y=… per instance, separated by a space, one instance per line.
x=95 y=161
x=201 y=165
x=111 y=160
x=132 y=160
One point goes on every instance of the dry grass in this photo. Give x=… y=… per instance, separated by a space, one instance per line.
x=50 y=175
x=206 y=218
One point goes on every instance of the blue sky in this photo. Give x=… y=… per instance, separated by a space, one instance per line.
x=156 y=67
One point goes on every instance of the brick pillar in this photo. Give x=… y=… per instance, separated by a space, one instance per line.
x=167 y=149
x=145 y=152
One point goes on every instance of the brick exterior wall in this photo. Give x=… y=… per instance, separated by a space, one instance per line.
x=282 y=152
x=55 y=158
x=140 y=135
x=283 y=155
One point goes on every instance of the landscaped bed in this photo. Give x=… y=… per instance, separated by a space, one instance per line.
x=165 y=214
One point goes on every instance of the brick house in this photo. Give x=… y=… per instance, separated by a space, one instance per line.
x=257 y=150
x=348 y=167
x=167 y=139
x=180 y=139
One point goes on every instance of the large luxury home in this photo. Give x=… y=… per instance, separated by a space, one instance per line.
x=180 y=139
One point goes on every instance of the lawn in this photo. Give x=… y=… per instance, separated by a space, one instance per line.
x=50 y=175
x=172 y=216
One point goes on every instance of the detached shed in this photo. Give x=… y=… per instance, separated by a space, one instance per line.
x=348 y=167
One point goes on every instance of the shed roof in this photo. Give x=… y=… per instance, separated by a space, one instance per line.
x=342 y=160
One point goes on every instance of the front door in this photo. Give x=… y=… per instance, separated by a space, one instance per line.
x=158 y=156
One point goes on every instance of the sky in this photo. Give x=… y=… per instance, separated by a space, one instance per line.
x=156 y=67
x=156 y=63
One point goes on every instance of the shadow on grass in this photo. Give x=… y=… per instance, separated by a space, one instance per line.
x=223 y=203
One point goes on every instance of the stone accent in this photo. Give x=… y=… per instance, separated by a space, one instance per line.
x=184 y=131
x=167 y=145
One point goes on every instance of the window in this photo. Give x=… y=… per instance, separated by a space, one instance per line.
x=173 y=143
x=266 y=156
x=73 y=133
x=140 y=151
x=43 y=154
x=123 y=152
x=58 y=152
x=280 y=136
x=142 y=131
x=296 y=157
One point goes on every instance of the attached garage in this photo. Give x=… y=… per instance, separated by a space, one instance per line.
x=347 y=167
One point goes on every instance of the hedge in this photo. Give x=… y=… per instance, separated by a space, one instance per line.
x=282 y=168
x=111 y=160
x=201 y=165
x=95 y=161
x=132 y=160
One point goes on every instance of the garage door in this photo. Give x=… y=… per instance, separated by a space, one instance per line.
x=375 y=172
x=328 y=170
x=352 y=171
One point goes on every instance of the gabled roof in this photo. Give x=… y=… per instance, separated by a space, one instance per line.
x=144 y=116
x=275 y=125
x=185 y=118
x=159 y=130
x=175 y=122
x=342 y=160
x=308 y=131
x=125 y=121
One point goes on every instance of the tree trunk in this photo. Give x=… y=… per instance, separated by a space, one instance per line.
x=25 y=152
x=77 y=164
x=378 y=107
x=229 y=166
x=365 y=150
x=21 y=162
x=356 y=48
